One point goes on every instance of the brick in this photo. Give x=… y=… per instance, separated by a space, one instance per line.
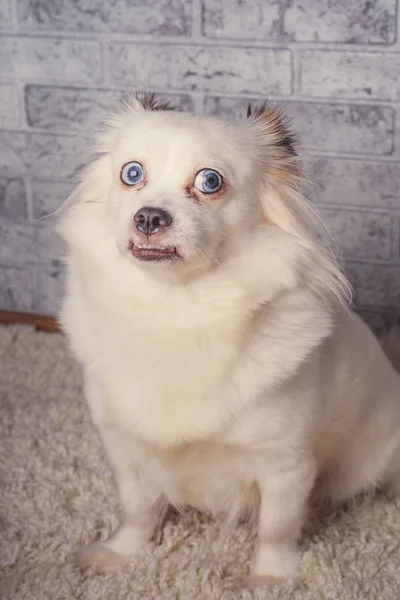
x=13 y=203
x=360 y=234
x=76 y=109
x=44 y=59
x=356 y=183
x=220 y=68
x=344 y=128
x=5 y=14
x=68 y=109
x=48 y=196
x=348 y=21
x=42 y=155
x=350 y=74
x=49 y=286
x=326 y=127
x=9 y=107
x=375 y=285
x=16 y=289
x=23 y=245
x=162 y=17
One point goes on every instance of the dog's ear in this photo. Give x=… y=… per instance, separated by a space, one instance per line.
x=279 y=143
x=275 y=124
x=149 y=101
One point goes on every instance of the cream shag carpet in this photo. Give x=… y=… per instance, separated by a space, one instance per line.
x=57 y=492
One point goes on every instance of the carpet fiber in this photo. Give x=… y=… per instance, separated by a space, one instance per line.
x=57 y=493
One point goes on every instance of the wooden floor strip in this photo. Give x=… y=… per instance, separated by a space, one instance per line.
x=40 y=322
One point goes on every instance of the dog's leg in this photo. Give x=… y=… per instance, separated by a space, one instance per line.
x=284 y=496
x=141 y=500
x=142 y=506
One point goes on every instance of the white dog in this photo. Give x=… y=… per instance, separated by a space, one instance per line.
x=223 y=367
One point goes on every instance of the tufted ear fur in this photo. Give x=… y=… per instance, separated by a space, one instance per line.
x=276 y=125
x=150 y=101
x=278 y=143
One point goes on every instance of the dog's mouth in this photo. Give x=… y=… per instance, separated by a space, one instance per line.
x=153 y=253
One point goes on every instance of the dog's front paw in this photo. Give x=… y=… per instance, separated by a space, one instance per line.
x=109 y=556
x=274 y=562
x=99 y=557
x=255 y=580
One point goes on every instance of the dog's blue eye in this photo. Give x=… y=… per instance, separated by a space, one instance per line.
x=132 y=173
x=208 y=181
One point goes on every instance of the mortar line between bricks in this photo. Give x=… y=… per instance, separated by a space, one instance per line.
x=109 y=86
x=19 y=87
x=106 y=65
x=382 y=262
x=53 y=82
x=198 y=103
x=197 y=20
x=135 y=39
x=23 y=124
x=105 y=86
x=296 y=73
x=375 y=210
x=367 y=47
x=29 y=199
x=358 y=156
x=248 y=44
x=14 y=16
x=306 y=99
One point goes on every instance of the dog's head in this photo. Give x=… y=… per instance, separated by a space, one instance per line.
x=181 y=190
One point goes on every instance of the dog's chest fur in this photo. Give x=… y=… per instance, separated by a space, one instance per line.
x=168 y=369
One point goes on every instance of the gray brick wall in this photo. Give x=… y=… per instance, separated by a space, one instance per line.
x=334 y=65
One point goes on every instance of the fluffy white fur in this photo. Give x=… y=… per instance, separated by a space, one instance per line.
x=235 y=378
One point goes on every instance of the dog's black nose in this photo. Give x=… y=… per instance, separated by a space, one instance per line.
x=151 y=220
